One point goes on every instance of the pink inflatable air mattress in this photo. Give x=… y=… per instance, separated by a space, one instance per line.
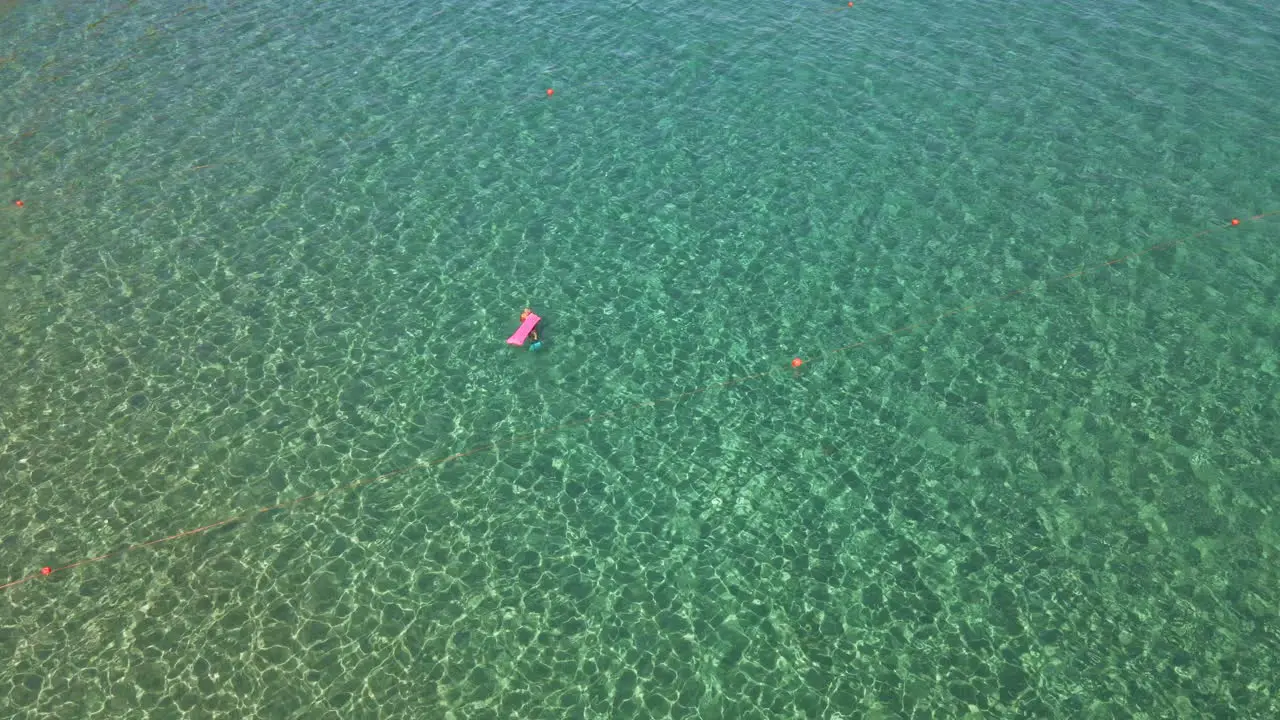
x=526 y=327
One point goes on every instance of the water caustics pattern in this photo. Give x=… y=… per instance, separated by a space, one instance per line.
x=258 y=421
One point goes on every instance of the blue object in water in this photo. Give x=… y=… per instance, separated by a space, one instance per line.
x=537 y=345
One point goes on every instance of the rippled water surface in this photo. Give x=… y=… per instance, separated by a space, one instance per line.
x=258 y=420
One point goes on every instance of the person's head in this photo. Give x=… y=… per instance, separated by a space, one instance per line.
x=525 y=315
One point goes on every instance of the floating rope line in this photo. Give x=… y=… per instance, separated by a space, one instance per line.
x=794 y=365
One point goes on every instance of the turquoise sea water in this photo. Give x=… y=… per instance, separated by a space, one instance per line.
x=271 y=250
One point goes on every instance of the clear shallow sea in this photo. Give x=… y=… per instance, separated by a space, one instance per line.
x=269 y=250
